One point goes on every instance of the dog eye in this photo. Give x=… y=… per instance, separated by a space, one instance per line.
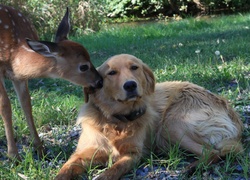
x=83 y=68
x=111 y=73
x=134 y=67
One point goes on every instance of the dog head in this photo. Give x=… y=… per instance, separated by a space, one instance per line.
x=126 y=78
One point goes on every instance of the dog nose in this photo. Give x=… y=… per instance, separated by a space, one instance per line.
x=130 y=86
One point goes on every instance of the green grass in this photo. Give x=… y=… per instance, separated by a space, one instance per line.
x=180 y=50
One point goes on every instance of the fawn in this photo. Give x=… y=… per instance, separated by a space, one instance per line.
x=22 y=59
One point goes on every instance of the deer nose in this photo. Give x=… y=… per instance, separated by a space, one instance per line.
x=130 y=86
x=99 y=84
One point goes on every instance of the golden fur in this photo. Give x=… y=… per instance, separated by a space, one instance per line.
x=175 y=112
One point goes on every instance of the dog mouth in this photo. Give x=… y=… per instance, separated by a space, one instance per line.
x=130 y=97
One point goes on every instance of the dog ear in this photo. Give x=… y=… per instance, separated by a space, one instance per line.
x=86 y=94
x=150 y=88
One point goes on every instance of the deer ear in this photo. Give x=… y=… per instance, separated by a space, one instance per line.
x=47 y=49
x=63 y=28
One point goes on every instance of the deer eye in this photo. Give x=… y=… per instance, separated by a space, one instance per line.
x=134 y=67
x=111 y=73
x=83 y=68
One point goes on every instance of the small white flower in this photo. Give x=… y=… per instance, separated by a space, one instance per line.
x=58 y=109
x=197 y=51
x=217 y=53
x=220 y=67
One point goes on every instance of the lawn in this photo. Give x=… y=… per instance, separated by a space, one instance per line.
x=213 y=52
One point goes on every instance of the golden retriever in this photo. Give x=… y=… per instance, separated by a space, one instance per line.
x=131 y=115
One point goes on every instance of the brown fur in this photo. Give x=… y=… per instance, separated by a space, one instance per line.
x=176 y=112
x=22 y=59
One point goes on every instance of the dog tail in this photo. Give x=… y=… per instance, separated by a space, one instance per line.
x=233 y=145
x=230 y=146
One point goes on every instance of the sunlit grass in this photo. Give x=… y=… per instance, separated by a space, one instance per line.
x=212 y=52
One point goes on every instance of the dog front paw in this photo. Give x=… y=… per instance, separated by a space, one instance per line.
x=106 y=176
x=62 y=177
x=102 y=177
x=64 y=174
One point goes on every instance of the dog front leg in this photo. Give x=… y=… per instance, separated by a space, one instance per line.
x=119 y=168
x=80 y=161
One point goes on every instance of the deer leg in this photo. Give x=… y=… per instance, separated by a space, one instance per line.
x=21 y=88
x=5 y=111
